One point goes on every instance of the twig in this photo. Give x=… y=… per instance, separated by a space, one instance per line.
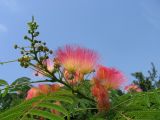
x=8 y=61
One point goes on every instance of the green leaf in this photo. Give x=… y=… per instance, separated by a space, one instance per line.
x=45 y=115
x=9 y=116
x=35 y=107
x=3 y=82
x=60 y=98
x=55 y=107
x=5 y=91
x=141 y=106
x=145 y=114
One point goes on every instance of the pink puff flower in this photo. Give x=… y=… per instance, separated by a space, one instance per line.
x=44 y=88
x=56 y=87
x=40 y=71
x=104 y=80
x=49 y=64
x=102 y=97
x=73 y=78
x=133 y=88
x=110 y=78
x=75 y=58
x=33 y=92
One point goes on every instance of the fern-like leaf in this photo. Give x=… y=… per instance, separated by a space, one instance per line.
x=40 y=106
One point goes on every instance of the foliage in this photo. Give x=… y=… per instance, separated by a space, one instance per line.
x=14 y=93
x=35 y=107
x=142 y=106
x=152 y=81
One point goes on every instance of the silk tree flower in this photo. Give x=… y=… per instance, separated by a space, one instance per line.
x=42 y=89
x=56 y=87
x=75 y=58
x=40 y=71
x=73 y=78
x=102 y=97
x=33 y=92
x=104 y=80
x=109 y=78
x=133 y=88
x=49 y=64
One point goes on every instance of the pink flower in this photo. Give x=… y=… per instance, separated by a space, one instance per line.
x=102 y=97
x=44 y=88
x=40 y=71
x=75 y=58
x=56 y=87
x=109 y=78
x=133 y=88
x=33 y=92
x=73 y=78
x=49 y=64
x=104 y=80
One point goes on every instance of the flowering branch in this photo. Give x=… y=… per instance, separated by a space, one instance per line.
x=36 y=57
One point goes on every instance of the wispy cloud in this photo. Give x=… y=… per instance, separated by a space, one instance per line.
x=3 y=28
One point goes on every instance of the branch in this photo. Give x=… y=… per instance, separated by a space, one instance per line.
x=8 y=61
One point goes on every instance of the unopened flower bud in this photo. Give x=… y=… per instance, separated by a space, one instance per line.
x=51 y=52
x=15 y=46
x=25 y=37
x=22 y=52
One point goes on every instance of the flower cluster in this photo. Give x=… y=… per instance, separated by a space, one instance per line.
x=73 y=78
x=133 y=88
x=105 y=80
x=75 y=58
x=42 y=89
x=73 y=63
x=77 y=62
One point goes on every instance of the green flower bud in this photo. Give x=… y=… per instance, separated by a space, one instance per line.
x=25 y=37
x=51 y=52
x=15 y=46
x=22 y=52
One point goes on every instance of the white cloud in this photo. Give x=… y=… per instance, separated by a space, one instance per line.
x=3 y=28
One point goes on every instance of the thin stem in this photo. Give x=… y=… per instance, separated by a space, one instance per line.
x=12 y=86
x=8 y=61
x=124 y=116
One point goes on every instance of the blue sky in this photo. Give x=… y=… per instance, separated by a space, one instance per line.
x=126 y=33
